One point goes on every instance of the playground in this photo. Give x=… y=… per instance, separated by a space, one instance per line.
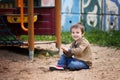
x=19 y=17
x=15 y=66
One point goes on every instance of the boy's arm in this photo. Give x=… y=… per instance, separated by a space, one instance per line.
x=81 y=47
x=66 y=52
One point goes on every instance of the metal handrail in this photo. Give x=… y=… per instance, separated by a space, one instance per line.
x=20 y=4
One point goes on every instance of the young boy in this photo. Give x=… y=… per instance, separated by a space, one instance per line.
x=79 y=55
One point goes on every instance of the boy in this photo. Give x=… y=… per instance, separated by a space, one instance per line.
x=79 y=55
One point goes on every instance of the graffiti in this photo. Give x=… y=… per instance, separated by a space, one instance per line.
x=86 y=3
x=92 y=19
x=98 y=14
x=66 y=8
x=117 y=2
x=111 y=9
x=112 y=23
x=91 y=10
x=70 y=13
x=111 y=19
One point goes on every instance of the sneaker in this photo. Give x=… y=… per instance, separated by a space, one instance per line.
x=60 y=68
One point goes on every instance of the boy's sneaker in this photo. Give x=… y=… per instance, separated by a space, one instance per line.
x=60 y=68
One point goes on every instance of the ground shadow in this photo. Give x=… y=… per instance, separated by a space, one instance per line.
x=25 y=51
x=17 y=50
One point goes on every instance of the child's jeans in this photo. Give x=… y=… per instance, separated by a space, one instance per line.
x=72 y=63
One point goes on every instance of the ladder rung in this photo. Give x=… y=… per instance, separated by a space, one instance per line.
x=11 y=42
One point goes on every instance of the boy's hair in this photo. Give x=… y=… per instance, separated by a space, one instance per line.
x=78 y=25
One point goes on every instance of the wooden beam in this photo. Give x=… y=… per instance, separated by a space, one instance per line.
x=58 y=22
x=31 y=28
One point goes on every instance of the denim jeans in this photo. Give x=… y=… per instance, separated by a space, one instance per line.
x=71 y=63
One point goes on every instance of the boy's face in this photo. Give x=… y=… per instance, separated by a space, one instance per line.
x=76 y=33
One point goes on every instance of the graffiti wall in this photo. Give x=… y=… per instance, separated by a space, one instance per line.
x=111 y=17
x=99 y=14
x=91 y=11
x=70 y=13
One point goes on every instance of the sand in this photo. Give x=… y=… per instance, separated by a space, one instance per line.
x=16 y=65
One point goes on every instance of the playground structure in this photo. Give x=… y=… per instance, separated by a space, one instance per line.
x=17 y=20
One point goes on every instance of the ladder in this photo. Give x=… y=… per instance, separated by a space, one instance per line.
x=7 y=38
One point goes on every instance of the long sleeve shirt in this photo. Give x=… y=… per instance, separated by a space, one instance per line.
x=81 y=50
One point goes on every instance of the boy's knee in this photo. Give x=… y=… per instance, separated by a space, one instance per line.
x=77 y=66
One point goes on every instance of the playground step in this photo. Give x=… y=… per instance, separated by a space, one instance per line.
x=6 y=36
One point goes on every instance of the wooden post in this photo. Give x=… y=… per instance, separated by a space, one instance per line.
x=31 y=28
x=58 y=22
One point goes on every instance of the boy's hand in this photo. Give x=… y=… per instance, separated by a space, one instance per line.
x=65 y=51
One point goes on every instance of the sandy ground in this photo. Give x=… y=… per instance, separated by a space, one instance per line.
x=14 y=65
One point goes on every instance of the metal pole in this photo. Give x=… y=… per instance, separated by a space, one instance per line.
x=58 y=22
x=31 y=28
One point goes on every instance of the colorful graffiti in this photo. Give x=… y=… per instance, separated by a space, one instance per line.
x=90 y=12
x=70 y=13
x=111 y=15
x=99 y=14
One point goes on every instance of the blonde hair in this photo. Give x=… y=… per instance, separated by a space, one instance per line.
x=78 y=25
